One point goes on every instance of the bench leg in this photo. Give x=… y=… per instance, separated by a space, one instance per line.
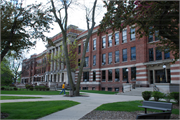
x=145 y=110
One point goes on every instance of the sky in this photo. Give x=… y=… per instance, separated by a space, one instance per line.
x=76 y=16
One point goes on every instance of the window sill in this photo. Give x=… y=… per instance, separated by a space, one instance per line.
x=132 y=40
x=123 y=42
x=133 y=60
x=116 y=62
x=110 y=64
x=124 y=61
x=109 y=46
x=104 y=48
x=153 y=41
x=116 y=44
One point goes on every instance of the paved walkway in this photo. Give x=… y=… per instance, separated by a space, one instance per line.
x=78 y=111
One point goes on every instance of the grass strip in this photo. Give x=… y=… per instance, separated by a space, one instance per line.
x=34 y=110
x=129 y=106
x=17 y=97
x=98 y=92
x=34 y=92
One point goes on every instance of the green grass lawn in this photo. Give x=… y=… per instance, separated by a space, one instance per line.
x=34 y=110
x=34 y=92
x=98 y=92
x=17 y=97
x=128 y=106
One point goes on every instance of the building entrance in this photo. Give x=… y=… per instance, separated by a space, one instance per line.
x=160 y=76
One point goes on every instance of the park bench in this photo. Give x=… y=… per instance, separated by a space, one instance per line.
x=157 y=105
x=162 y=115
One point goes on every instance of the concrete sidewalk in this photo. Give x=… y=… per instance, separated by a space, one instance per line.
x=87 y=104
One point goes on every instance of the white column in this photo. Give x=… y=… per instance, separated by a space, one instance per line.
x=60 y=76
x=51 y=59
x=49 y=76
x=54 y=57
x=59 y=58
x=57 y=77
x=52 y=77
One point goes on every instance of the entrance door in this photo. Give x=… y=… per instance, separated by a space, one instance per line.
x=160 y=77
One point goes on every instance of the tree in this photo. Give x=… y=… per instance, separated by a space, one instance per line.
x=22 y=26
x=6 y=73
x=162 y=16
x=63 y=25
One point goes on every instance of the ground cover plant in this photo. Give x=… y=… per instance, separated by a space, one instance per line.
x=34 y=110
x=129 y=106
x=34 y=92
x=17 y=97
x=98 y=92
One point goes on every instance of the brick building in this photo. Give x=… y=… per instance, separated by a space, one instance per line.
x=111 y=63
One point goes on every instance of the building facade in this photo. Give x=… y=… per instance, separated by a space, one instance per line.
x=113 y=62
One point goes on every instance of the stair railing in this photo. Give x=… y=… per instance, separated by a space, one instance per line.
x=155 y=88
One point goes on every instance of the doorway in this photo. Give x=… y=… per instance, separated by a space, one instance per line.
x=160 y=76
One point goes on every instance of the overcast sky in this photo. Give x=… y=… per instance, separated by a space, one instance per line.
x=76 y=16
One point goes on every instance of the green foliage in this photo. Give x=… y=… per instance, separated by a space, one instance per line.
x=35 y=109
x=162 y=16
x=15 y=88
x=22 y=26
x=146 y=95
x=157 y=95
x=175 y=96
x=168 y=97
x=2 y=88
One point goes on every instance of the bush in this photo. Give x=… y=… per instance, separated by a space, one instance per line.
x=146 y=95
x=168 y=97
x=12 y=85
x=47 y=89
x=157 y=95
x=31 y=88
x=15 y=88
x=175 y=96
x=2 y=88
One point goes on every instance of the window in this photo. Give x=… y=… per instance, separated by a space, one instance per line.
x=103 y=59
x=79 y=49
x=166 y=54
x=94 y=60
x=110 y=57
x=109 y=40
x=103 y=75
x=94 y=75
x=103 y=88
x=116 y=56
x=79 y=62
x=87 y=50
x=125 y=74
x=85 y=88
x=150 y=38
x=158 y=54
x=133 y=53
x=156 y=35
x=109 y=89
x=94 y=44
x=151 y=55
x=103 y=42
x=86 y=62
x=109 y=75
x=116 y=89
x=124 y=54
x=133 y=37
x=124 y=36
x=116 y=74
x=117 y=38
x=133 y=73
x=93 y=88
x=85 y=76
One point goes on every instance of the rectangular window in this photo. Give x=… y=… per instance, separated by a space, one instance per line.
x=117 y=38
x=85 y=76
x=124 y=54
x=87 y=50
x=151 y=55
x=94 y=60
x=158 y=54
x=133 y=73
x=103 y=42
x=109 y=40
x=125 y=74
x=79 y=49
x=116 y=56
x=103 y=88
x=103 y=59
x=124 y=36
x=116 y=89
x=110 y=58
x=150 y=38
x=166 y=54
x=86 y=62
x=94 y=44
x=109 y=89
x=156 y=35
x=79 y=62
x=116 y=74
x=133 y=36
x=109 y=75
x=133 y=53
x=94 y=75
x=103 y=75
x=85 y=88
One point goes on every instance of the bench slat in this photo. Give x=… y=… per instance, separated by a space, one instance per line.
x=157 y=108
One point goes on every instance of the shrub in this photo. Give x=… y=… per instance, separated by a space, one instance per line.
x=168 y=97
x=175 y=96
x=31 y=88
x=47 y=89
x=15 y=88
x=12 y=85
x=2 y=88
x=146 y=95
x=157 y=95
